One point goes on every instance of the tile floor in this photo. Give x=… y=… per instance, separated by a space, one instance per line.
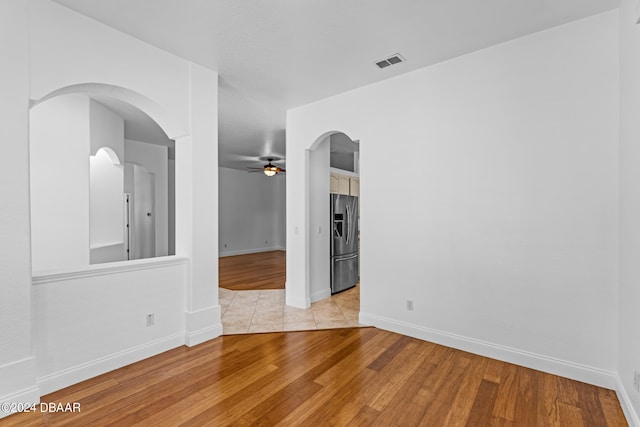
x=266 y=311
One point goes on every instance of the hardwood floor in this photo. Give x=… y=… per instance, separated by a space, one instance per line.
x=264 y=270
x=339 y=377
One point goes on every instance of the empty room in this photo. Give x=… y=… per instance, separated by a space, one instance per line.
x=320 y=213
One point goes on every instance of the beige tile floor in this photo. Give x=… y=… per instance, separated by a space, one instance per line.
x=266 y=311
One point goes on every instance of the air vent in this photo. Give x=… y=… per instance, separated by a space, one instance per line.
x=392 y=60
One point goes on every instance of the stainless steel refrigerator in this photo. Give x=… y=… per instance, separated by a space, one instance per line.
x=344 y=242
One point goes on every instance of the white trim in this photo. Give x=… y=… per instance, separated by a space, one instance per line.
x=320 y=295
x=18 y=383
x=28 y=395
x=61 y=379
x=106 y=269
x=223 y=254
x=17 y=375
x=564 y=368
x=202 y=335
x=298 y=302
x=627 y=407
x=344 y=172
x=105 y=245
x=202 y=325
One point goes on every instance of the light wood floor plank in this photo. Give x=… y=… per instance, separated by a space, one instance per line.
x=361 y=376
x=263 y=270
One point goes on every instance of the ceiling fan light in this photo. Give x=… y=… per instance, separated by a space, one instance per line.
x=269 y=172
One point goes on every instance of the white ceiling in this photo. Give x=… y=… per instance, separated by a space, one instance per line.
x=278 y=54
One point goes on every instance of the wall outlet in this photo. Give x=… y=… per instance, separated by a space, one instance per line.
x=151 y=319
x=266 y=242
x=636 y=380
x=225 y=245
x=410 y=304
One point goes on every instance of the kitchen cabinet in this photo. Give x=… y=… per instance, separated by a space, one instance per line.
x=343 y=184
x=354 y=187
x=339 y=184
x=334 y=183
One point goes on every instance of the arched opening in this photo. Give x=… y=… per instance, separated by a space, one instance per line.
x=333 y=189
x=252 y=313
x=86 y=141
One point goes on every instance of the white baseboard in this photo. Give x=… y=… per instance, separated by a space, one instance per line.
x=627 y=407
x=58 y=380
x=319 y=295
x=18 y=384
x=202 y=325
x=202 y=335
x=17 y=375
x=27 y=396
x=298 y=302
x=564 y=368
x=224 y=253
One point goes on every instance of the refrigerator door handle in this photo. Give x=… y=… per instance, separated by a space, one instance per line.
x=345 y=258
x=347 y=224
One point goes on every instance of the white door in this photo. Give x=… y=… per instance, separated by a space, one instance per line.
x=144 y=223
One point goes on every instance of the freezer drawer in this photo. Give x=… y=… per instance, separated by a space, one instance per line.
x=344 y=272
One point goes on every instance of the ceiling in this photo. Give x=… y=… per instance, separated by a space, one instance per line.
x=279 y=54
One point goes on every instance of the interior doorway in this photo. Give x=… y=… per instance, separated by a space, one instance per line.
x=140 y=184
x=333 y=173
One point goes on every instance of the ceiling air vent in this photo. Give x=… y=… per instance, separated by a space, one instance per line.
x=392 y=60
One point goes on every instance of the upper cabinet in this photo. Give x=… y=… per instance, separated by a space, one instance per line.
x=334 y=183
x=342 y=184
x=354 y=186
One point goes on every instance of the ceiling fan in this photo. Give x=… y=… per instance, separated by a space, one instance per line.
x=269 y=169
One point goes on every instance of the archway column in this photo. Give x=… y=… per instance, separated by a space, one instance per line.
x=197 y=208
x=17 y=363
x=297 y=284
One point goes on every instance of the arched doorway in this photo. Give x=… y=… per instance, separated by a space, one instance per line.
x=332 y=174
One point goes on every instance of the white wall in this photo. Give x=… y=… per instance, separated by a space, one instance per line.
x=320 y=222
x=59 y=149
x=281 y=219
x=95 y=53
x=75 y=344
x=251 y=207
x=106 y=129
x=498 y=217
x=106 y=185
x=183 y=100
x=106 y=206
x=154 y=158
x=629 y=315
x=17 y=365
x=171 y=214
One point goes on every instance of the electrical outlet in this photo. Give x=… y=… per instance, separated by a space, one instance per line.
x=225 y=245
x=410 y=304
x=151 y=319
x=266 y=242
x=636 y=380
